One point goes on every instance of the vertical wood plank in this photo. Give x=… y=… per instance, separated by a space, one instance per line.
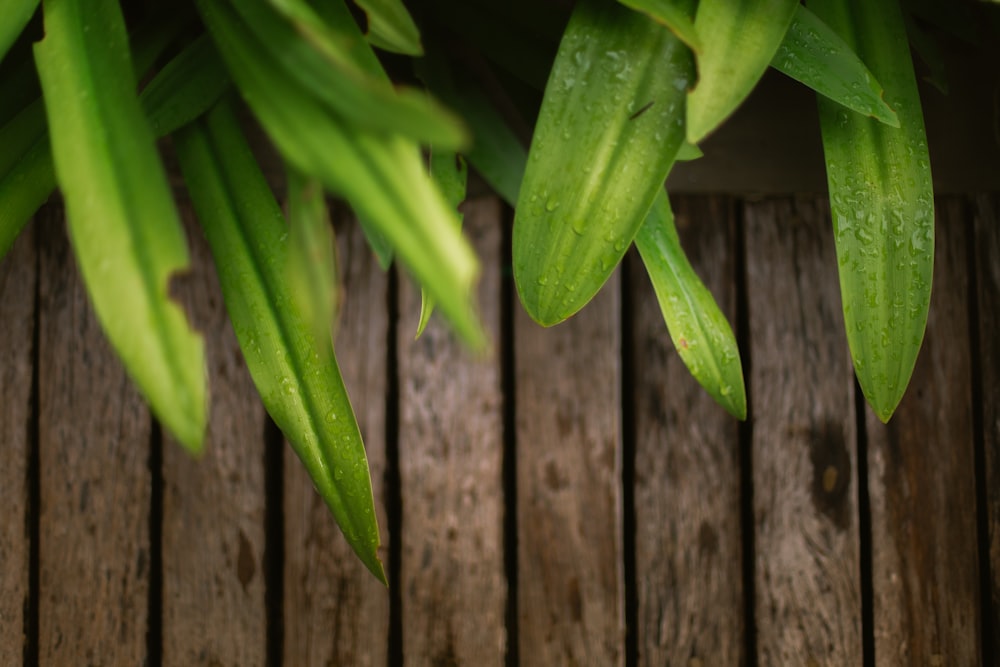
x=687 y=479
x=450 y=458
x=94 y=435
x=922 y=488
x=213 y=507
x=17 y=330
x=335 y=611
x=987 y=243
x=569 y=502
x=808 y=599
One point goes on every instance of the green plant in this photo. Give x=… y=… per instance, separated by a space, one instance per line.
x=618 y=91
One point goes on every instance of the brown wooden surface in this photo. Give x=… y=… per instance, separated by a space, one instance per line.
x=808 y=597
x=687 y=479
x=569 y=499
x=213 y=507
x=811 y=536
x=94 y=439
x=341 y=612
x=454 y=590
x=17 y=331
x=987 y=253
x=922 y=484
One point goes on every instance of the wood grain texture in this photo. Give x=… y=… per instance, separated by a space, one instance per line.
x=454 y=591
x=922 y=485
x=986 y=222
x=94 y=435
x=18 y=273
x=688 y=546
x=808 y=598
x=336 y=612
x=569 y=496
x=213 y=507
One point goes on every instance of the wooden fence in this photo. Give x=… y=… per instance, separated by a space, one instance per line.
x=572 y=499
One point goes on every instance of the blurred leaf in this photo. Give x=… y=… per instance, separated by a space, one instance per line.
x=301 y=387
x=20 y=134
x=185 y=88
x=312 y=255
x=321 y=64
x=739 y=39
x=382 y=176
x=122 y=221
x=18 y=87
x=882 y=204
x=674 y=14
x=451 y=174
x=16 y=14
x=609 y=128
x=391 y=27
x=815 y=55
x=701 y=333
x=688 y=152
x=929 y=51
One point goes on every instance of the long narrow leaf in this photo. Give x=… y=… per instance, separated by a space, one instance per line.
x=382 y=177
x=701 y=333
x=16 y=14
x=815 y=55
x=301 y=388
x=391 y=27
x=882 y=203
x=609 y=128
x=674 y=14
x=123 y=226
x=739 y=38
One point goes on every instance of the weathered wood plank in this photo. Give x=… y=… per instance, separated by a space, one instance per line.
x=450 y=459
x=922 y=485
x=987 y=241
x=213 y=507
x=688 y=546
x=18 y=273
x=569 y=502
x=808 y=598
x=94 y=435
x=335 y=612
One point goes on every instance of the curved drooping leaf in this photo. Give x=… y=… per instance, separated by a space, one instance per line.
x=674 y=14
x=16 y=14
x=301 y=387
x=700 y=331
x=610 y=125
x=739 y=38
x=882 y=203
x=326 y=65
x=813 y=54
x=122 y=222
x=382 y=176
x=390 y=26
x=451 y=174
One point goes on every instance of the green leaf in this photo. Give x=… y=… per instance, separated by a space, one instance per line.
x=688 y=152
x=701 y=333
x=451 y=174
x=390 y=26
x=882 y=204
x=301 y=388
x=382 y=176
x=815 y=55
x=610 y=125
x=674 y=14
x=23 y=190
x=316 y=52
x=122 y=222
x=312 y=254
x=739 y=39
x=16 y=14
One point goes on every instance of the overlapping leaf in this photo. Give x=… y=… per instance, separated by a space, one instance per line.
x=16 y=14
x=391 y=27
x=610 y=125
x=381 y=175
x=674 y=14
x=881 y=200
x=122 y=221
x=295 y=372
x=739 y=38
